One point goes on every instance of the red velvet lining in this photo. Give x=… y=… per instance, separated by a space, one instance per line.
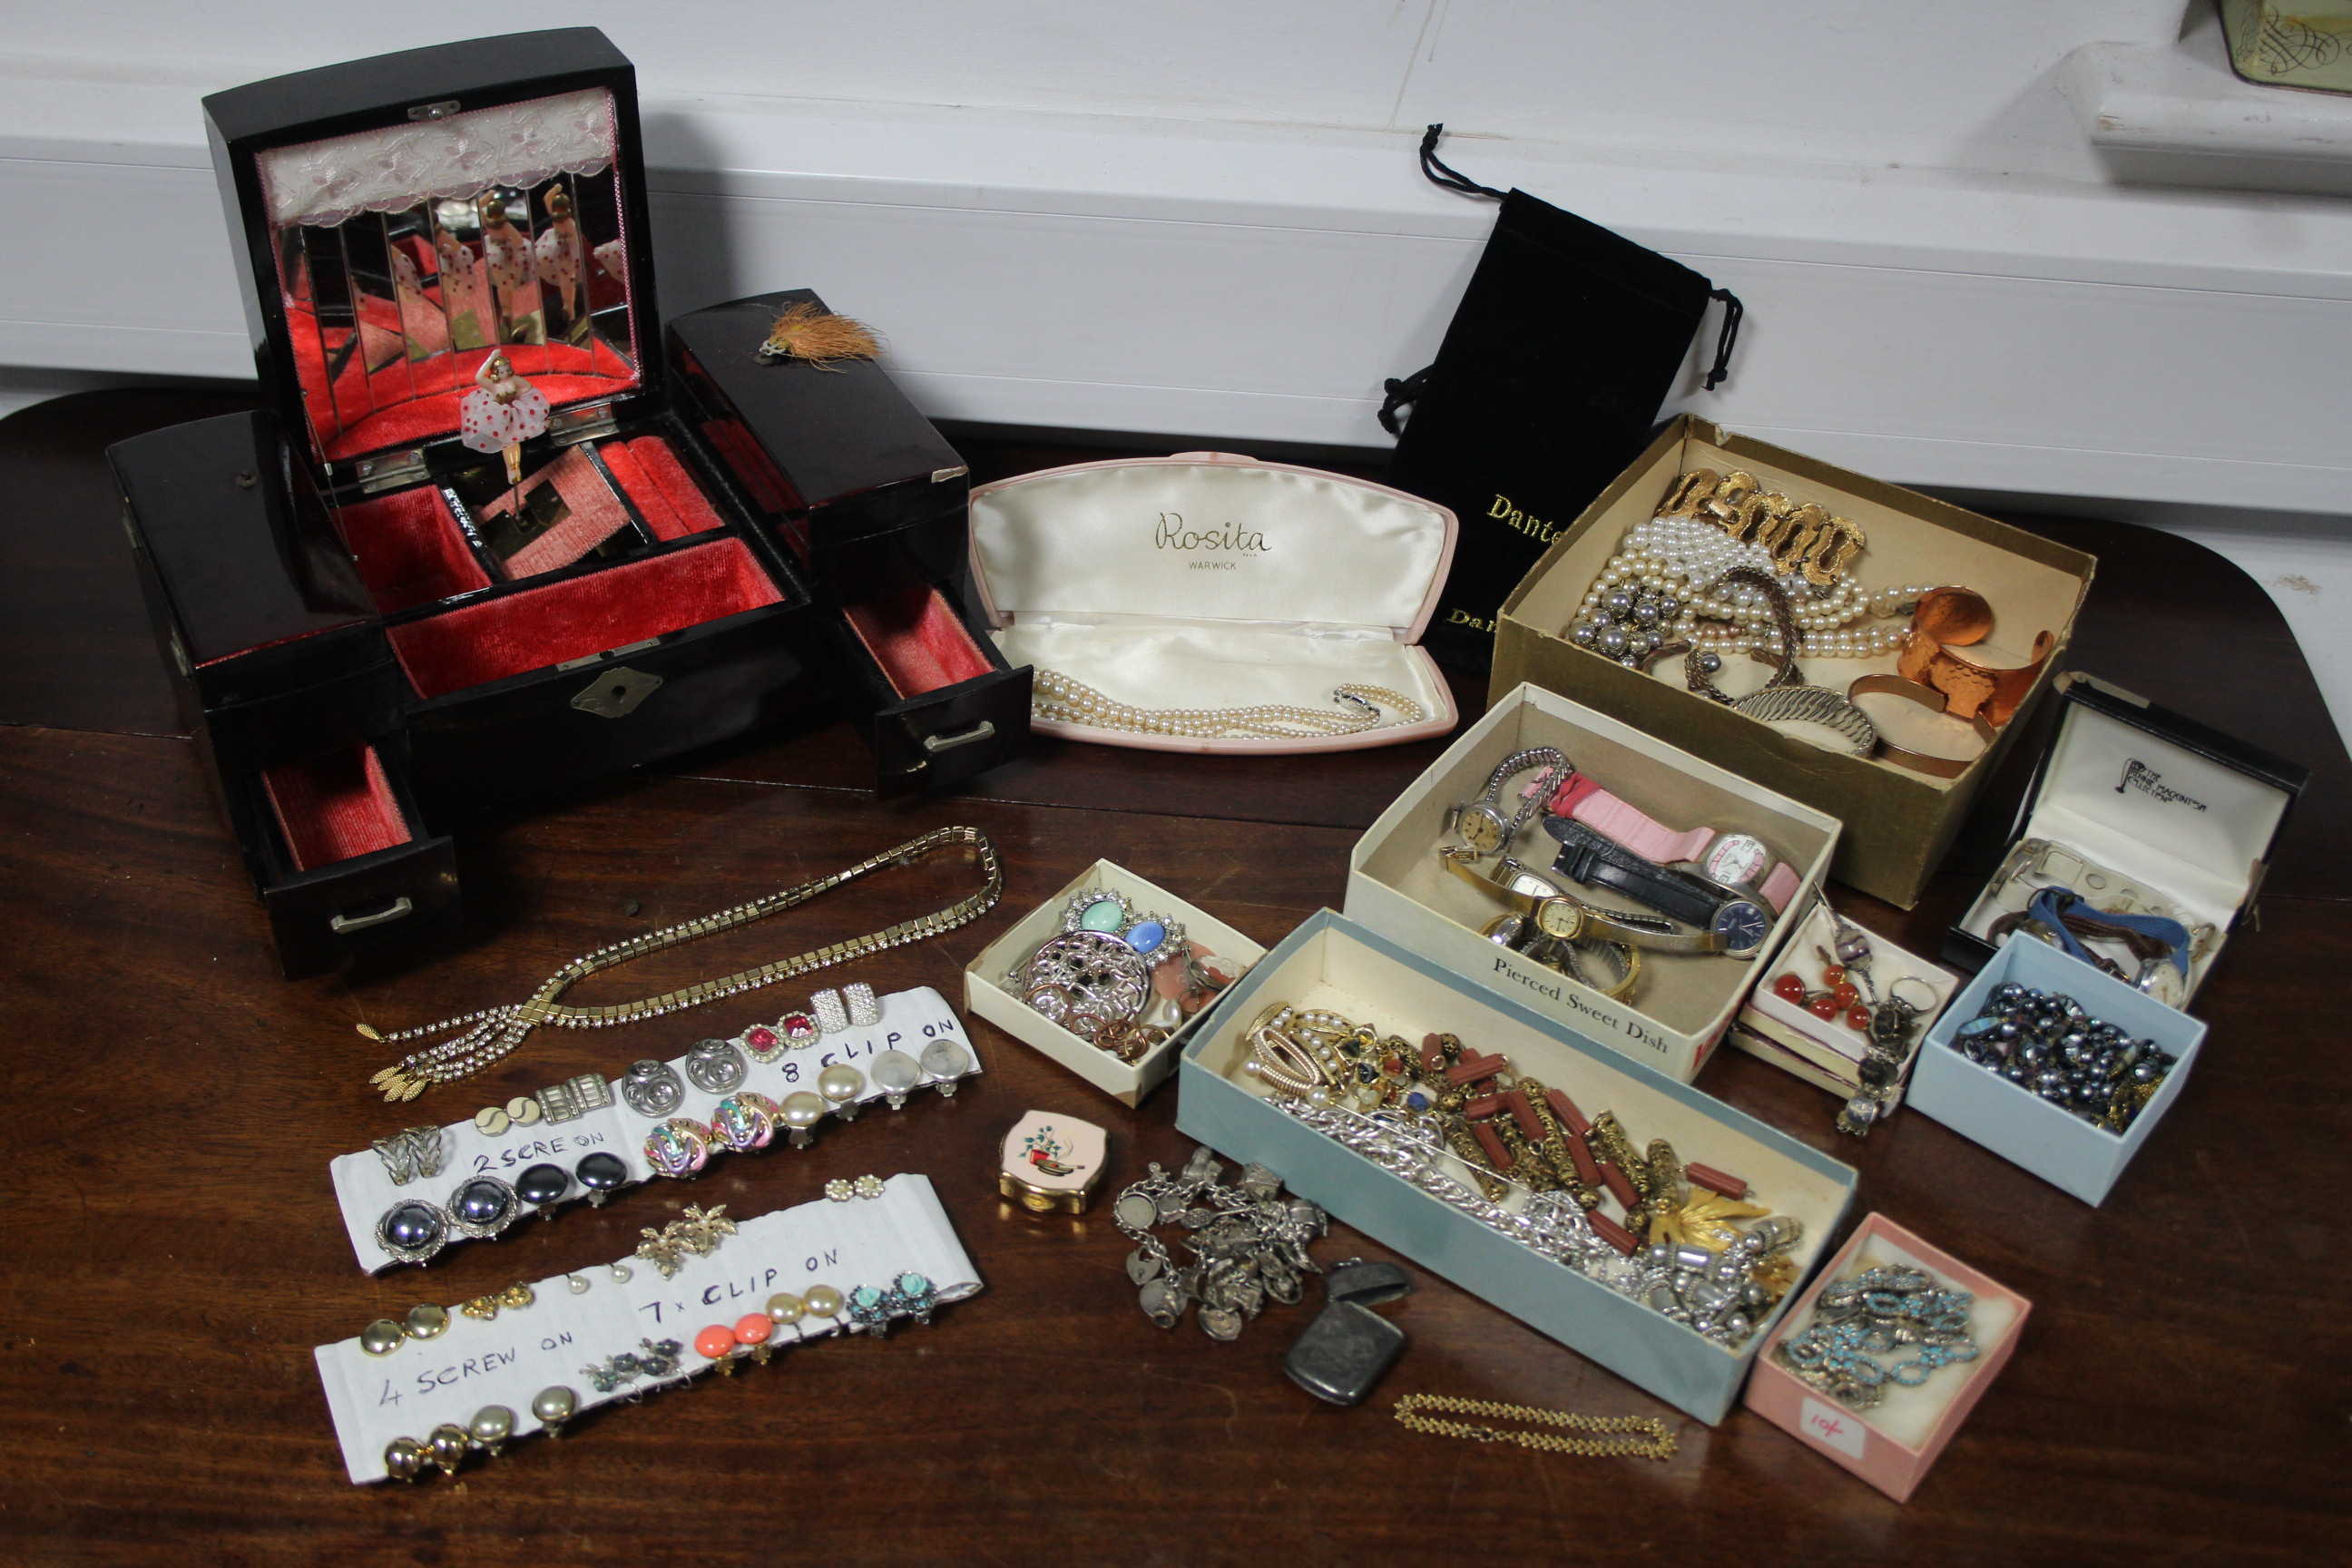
x=401 y=405
x=677 y=485
x=596 y=514
x=409 y=549
x=918 y=640
x=752 y=464
x=633 y=478
x=335 y=807
x=540 y=626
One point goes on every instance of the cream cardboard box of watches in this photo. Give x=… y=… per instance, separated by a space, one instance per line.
x=990 y=990
x=1899 y=822
x=1683 y=1002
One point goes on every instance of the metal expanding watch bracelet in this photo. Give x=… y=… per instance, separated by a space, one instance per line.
x=1481 y=822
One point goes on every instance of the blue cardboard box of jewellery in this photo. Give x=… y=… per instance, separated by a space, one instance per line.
x=1331 y=961
x=2018 y=1124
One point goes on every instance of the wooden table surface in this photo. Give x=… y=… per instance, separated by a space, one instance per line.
x=2181 y=1394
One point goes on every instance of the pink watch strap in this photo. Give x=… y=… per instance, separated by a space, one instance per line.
x=1586 y=802
x=1644 y=835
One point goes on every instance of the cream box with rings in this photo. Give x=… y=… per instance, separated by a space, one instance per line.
x=1211 y=583
x=1683 y=1003
x=1898 y=821
x=2140 y=811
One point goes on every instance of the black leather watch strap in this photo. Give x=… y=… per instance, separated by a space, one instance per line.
x=1597 y=861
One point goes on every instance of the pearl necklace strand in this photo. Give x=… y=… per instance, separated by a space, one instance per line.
x=1063 y=701
x=1660 y=560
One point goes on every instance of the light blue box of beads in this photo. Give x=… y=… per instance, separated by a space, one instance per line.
x=2018 y=1124
x=1333 y=962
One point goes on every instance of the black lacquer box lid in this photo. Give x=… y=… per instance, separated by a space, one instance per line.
x=240 y=539
x=408 y=215
x=858 y=446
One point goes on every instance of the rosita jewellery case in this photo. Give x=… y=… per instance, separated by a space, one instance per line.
x=1208 y=581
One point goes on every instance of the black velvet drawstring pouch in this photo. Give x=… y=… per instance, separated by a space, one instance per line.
x=1547 y=383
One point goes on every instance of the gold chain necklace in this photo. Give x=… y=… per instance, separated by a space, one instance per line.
x=487 y=1036
x=1063 y=701
x=1654 y=1442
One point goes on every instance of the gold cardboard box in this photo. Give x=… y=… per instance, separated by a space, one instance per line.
x=1898 y=823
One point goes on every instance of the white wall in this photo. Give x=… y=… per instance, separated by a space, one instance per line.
x=1203 y=218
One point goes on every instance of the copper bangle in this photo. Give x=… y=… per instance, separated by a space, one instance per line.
x=1956 y=617
x=1932 y=700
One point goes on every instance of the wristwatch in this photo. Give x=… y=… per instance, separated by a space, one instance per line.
x=1739 y=863
x=1481 y=822
x=1590 y=857
x=1562 y=918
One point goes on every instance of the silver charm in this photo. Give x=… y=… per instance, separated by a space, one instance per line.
x=652 y=1088
x=716 y=1067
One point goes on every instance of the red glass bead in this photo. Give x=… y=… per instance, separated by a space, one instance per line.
x=1823 y=1008
x=1609 y=1231
x=1523 y=1111
x=1833 y=975
x=1716 y=1181
x=714 y=1341
x=1857 y=1017
x=1846 y=995
x=1492 y=1141
x=1483 y=1106
x=1790 y=989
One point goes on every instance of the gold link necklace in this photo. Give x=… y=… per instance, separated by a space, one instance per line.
x=484 y=1037
x=1654 y=1442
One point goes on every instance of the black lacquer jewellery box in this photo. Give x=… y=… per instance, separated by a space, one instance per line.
x=473 y=550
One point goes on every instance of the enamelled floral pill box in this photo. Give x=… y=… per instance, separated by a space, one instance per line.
x=1892 y=1444
x=988 y=989
x=1682 y=1003
x=1333 y=962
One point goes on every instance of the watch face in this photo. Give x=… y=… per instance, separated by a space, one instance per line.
x=1743 y=926
x=1560 y=918
x=1734 y=860
x=1482 y=828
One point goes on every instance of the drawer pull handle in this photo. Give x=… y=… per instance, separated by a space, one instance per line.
x=935 y=744
x=342 y=924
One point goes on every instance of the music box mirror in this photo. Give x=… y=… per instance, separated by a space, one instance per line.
x=407 y=256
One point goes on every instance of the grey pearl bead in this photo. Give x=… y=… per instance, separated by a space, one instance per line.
x=1710 y=663
x=1584 y=634
x=413 y=1224
x=1639 y=642
x=1612 y=643
x=1646 y=612
x=1617 y=602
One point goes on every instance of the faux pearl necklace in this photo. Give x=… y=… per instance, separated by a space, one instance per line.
x=1063 y=701
x=1673 y=568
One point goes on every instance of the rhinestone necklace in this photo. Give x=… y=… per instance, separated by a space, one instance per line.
x=484 y=1037
x=1066 y=702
